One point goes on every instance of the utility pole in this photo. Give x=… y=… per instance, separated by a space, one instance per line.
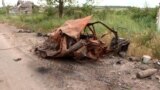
x=3 y=4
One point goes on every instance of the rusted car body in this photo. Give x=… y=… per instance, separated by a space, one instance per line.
x=71 y=40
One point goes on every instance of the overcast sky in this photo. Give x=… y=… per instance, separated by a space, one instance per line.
x=137 y=3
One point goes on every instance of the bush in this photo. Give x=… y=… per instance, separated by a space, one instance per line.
x=87 y=9
x=50 y=11
x=2 y=11
x=101 y=14
x=146 y=17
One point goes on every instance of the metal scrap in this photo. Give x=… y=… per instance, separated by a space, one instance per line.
x=146 y=73
x=71 y=40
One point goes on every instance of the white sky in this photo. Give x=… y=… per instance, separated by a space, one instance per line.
x=137 y=3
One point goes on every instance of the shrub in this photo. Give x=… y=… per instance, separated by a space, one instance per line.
x=2 y=11
x=145 y=16
x=50 y=11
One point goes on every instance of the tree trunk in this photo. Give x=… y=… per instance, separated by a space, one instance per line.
x=61 y=7
x=3 y=3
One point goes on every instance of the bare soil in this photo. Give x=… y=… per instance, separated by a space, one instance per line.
x=20 y=69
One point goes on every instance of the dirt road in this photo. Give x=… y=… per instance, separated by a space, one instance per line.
x=15 y=75
x=33 y=73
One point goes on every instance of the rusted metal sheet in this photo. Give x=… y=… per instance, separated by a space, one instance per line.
x=73 y=28
x=70 y=40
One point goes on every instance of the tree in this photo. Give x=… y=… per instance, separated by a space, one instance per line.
x=60 y=5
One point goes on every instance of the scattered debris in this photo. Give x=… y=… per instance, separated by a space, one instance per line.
x=146 y=59
x=158 y=77
x=24 y=31
x=41 y=35
x=143 y=67
x=146 y=73
x=123 y=54
x=135 y=58
x=72 y=40
x=119 y=62
x=155 y=60
x=157 y=64
x=18 y=59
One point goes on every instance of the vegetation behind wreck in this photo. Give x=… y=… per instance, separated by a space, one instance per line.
x=135 y=24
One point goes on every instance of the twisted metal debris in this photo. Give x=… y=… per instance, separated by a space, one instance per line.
x=72 y=40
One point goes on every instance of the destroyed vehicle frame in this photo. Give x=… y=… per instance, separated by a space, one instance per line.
x=117 y=44
x=72 y=43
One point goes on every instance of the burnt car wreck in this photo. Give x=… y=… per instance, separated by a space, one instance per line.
x=71 y=40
